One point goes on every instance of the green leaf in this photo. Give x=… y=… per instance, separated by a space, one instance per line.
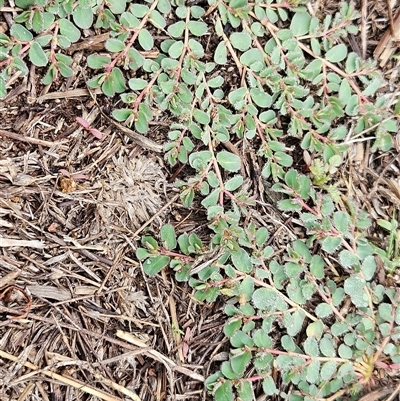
x=240 y=362
x=197 y=28
x=284 y=159
x=261 y=339
x=199 y=160
x=137 y=83
x=224 y=392
x=142 y=253
x=326 y=345
x=368 y=267
x=228 y=161
x=136 y=60
x=168 y=237
x=118 y=80
x=271 y=15
x=237 y=95
x=293 y=322
x=19 y=32
x=65 y=70
x=352 y=105
x=129 y=20
x=176 y=49
x=114 y=45
x=245 y=390
x=251 y=57
x=348 y=259
x=240 y=41
x=289 y=205
x=157 y=19
x=242 y=261
x=232 y=326
x=3 y=91
x=311 y=346
x=25 y=3
x=373 y=86
x=176 y=29
x=300 y=23
x=83 y=17
x=153 y=265
x=215 y=82
x=96 y=61
x=234 y=183
x=288 y=343
x=344 y=91
x=337 y=53
x=141 y=123
x=260 y=98
x=264 y=299
x=227 y=371
x=37 y=56
x=345 y=352
x=145 y=39
x=269 y=386
x=196 y=48
x=116 y=6
x=140 y=10
x=69 y=30
x=341 y=222
x=315 y=329
x=323 y=310
x=355 y=287
x=386 y=312
x=149 y=242
x=220 y=55
x=331 y=244
x=312 y=375
x=328 y=369
x=201 y=117
x=317 y=267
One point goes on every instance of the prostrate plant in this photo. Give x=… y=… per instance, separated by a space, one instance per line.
x=310 y=315
x=327 y=337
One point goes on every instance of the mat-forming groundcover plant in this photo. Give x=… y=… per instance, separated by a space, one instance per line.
x=250 y=87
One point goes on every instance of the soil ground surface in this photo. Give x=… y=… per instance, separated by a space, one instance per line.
x=69 y=259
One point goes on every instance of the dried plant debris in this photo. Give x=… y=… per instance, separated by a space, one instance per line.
x=130 y=192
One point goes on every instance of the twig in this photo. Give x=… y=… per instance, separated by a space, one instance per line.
x=28 y=139
x=364 y=28
x=135 y=234
x=69 y=381
x=8 y=242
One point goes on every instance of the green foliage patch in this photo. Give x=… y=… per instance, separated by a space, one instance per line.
x=288 y=78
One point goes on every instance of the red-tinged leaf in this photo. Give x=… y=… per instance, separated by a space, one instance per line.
x=95 y=132
x=185 y=349
x=64 y=172
x=80 y=177
x=82 y=122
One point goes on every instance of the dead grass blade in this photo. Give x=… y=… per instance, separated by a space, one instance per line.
x=168 y=363
x=387 y=45
x=68 y=381
x=27 y=139
x=8 y=242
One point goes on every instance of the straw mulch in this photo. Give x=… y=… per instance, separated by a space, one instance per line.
x=80 y=319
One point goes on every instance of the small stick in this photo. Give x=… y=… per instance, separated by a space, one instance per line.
x=364 y=28
x=28 y=139
x=391 y=22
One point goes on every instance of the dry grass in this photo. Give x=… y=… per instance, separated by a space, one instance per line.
x=71 y=211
